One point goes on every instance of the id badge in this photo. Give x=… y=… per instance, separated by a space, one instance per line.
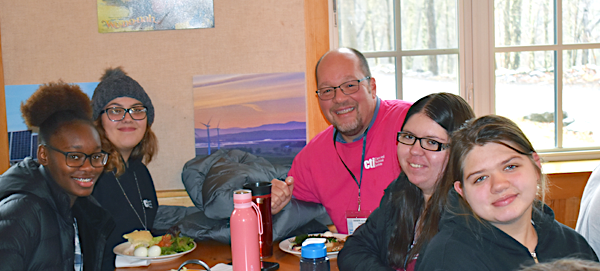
x=355 y=219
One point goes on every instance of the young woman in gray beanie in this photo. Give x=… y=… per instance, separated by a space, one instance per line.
x=123 y=115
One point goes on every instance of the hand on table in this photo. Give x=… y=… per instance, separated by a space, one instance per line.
x=281 y=193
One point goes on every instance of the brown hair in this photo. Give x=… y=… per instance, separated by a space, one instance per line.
x=450 y=112
x=53 y=105
x=481 y=131
x=145 y=149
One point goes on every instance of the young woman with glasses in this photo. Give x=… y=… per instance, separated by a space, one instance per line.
x=496 y=218
x=47 y=219
x=394 y=233
x=123 y=114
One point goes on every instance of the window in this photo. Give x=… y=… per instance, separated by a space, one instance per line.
x=533 y=61
x=425 y=47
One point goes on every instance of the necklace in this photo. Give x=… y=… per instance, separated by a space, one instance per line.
x=141 y=200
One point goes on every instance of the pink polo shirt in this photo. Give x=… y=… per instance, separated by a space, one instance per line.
x=320 y=176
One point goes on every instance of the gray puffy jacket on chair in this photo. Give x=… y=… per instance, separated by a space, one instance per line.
x=210 y=182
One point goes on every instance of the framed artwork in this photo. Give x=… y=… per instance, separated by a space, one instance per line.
x=148 y=15
x=263 y=114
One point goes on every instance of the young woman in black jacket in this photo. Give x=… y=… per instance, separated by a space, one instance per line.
x=495 y=217
x=45 y=206
x=392 y=236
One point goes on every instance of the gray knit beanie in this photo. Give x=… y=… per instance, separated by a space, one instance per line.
x=116 y=83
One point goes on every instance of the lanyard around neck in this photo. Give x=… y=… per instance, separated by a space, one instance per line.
x=358 y=182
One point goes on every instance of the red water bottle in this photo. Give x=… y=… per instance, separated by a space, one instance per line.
x=261 y=195
x=245 y=225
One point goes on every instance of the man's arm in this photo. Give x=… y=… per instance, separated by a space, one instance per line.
x=281 y=193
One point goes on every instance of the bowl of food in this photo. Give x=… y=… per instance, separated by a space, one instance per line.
x=334 y=243
x=141 y=245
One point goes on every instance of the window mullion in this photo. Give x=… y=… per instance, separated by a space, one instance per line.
x=558 y=75
x=333 y=25
x=558 y=123
x=424 y=52
x=465 y=47
x=482 y=14
x=398 y=31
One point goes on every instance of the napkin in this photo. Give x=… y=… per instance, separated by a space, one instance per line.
x=130 y=262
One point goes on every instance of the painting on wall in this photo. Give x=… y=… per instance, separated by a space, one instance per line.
x=148 y=15
x=262 y=114
x=22 y=142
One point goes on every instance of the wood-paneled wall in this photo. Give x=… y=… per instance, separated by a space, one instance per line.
x=564 y=195
x=4 y=158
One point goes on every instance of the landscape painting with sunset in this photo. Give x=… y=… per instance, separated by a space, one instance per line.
x=262 y=114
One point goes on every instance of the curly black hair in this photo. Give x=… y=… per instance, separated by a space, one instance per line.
x=54 y=104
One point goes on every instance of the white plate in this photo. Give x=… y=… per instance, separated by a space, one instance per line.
x=121 y=247
x=285 y=245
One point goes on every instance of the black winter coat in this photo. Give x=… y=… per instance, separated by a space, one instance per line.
x=36 y=223
x=464 y=243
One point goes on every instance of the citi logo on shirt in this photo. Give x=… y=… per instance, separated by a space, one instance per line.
x=374 y=162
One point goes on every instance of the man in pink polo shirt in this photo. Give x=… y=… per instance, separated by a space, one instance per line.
x=348 y=165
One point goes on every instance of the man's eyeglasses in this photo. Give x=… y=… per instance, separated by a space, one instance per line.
x=347 y=88
x=77 y=159
x=426 y=143
x=118 y=113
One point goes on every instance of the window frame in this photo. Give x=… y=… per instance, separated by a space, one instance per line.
x=476 y=48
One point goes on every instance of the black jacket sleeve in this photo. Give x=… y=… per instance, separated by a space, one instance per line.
x=19 y=230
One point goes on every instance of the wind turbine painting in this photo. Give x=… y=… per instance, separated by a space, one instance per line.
x=207 y=134
x=262 y=114
x=218 y=139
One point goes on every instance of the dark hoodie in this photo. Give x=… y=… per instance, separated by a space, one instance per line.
x=36 y=223
x=464 y=243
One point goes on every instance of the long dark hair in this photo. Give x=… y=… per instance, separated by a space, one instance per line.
x=449 y=111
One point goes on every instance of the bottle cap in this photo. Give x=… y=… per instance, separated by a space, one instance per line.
x=309 y=241
x=259 y=188
x=242 y=196
x=314 y=251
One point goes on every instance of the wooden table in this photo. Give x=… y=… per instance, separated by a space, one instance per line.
x=212 y=252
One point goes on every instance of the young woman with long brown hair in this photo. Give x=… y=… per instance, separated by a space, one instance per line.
x=124 y=114
x=495 y=217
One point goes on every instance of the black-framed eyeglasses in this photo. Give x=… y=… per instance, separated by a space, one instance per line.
x=426 y=143
x=118 y=113
x=77 y=159
x=347 y=88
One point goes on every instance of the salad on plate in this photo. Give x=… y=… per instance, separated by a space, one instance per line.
x=143 y=244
